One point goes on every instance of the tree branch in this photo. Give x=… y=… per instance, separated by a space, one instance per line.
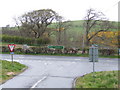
x=97 y=33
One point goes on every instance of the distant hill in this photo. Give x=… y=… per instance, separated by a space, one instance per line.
x=76 y=27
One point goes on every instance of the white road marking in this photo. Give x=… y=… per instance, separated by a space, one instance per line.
x=77 y=59
x=39 y=82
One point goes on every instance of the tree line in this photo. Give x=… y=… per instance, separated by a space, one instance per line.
x=46 y=22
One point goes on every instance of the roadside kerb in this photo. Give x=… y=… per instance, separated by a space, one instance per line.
x=75 y=79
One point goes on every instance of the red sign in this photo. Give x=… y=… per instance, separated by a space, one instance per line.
x=11 y=47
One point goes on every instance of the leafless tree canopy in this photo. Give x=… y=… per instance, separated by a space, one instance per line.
x=95 y=22
x=35 y=23
x=61 y=27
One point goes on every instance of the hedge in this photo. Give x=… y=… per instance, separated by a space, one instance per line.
x=107 y=51
x=23 y=40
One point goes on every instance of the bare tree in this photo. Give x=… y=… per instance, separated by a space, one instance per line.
x=35 y=23
x=61 y=27
x=95 y=22
x=66 y=26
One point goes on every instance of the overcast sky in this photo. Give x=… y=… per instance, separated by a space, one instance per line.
x=69 y=9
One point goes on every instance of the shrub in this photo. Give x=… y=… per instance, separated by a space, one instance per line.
x=18 y=50
x=5 y=49
x=23 y=40
x=107 y=51
x=6 y=38
x=36 y=49
x=41 y=41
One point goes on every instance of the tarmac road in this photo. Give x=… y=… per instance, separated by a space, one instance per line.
x=54 y=71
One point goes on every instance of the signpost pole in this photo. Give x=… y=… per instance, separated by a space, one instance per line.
x=93 y=60
x=12 y=59
x=93 y=56
x=92 y=52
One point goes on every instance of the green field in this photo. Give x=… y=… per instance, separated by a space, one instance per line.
x=76 y=30
x=8 y=70
x=77 y=26
x=103 y=79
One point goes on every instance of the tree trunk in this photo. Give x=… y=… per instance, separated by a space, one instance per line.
x=65 y=41
x=59 y=38
x=86 y=44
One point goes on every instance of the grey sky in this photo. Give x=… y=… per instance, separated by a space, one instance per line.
x=69 y=9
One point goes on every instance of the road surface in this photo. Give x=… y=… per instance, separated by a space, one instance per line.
x=54 y=71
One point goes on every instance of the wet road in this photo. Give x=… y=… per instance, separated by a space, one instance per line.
x=54 y=71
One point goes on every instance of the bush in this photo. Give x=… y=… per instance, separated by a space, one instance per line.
x=5 y=49
x=107 y=51
x=41 y=41
x=23 y=40
x=18 y=50
x=6 y=38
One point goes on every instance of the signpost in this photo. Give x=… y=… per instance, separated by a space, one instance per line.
x=93 y=55
x=11 y=48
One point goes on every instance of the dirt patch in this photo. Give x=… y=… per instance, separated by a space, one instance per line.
x=10 y=73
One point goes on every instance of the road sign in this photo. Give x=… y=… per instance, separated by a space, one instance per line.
x=11 y=52
x=56 y=47
x=11 y=47
x=93 y=54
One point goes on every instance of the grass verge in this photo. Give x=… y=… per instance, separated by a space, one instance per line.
x=79 y=55
x=9 y=71
x=103 y=79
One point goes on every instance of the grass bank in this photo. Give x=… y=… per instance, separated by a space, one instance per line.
x=103 y=79
x=9 y=71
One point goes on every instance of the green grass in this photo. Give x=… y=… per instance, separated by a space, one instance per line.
x=82 y=55
x=78 y=55
x=75 y=25
x=110 y=56
x=8 y=67
x=103 y=79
